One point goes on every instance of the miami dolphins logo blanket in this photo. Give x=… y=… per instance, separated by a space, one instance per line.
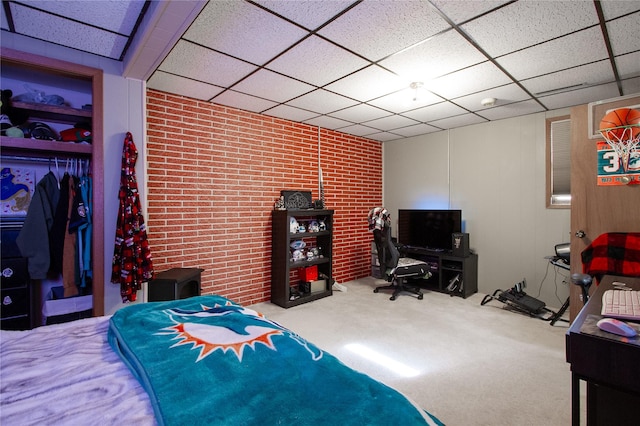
x=207 y=360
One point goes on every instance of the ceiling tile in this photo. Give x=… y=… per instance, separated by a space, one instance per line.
x=317 y=61
x=415 y=130
x=358 y=130
x=65 y=32
x=469 y=80
x=458 y=121
x=269 y=85
x=405 y=100
x=290 y=113
x=196 y=62
x=243 y=31
x=159 y=30
x=3 y=20
x=113 y=15
x=614 y=9
x=526 y=23
x=327 y=122
x=376 y=29
x=322 y=101
x=630 y=86
x=176 y=84
x=460 y=11
x=245 y=102
x=390 y=122
x=435 y=112
x=369 y=83
x=566 y=52
x=308 y=13
x=625 y=34
x=384 y=136
x=507 y=94
x=580 y=96
x=435 y=57
x=590 y=74
x=515 y=109
x=359 y=113
x=263 y=55
x=628 y=65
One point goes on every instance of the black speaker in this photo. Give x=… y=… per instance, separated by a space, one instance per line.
x=174 y=284
x=460 y=244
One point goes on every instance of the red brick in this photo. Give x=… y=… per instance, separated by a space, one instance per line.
x=214 y=174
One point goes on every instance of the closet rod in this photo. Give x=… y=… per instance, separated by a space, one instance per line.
x=7 y=157
x=29 y=159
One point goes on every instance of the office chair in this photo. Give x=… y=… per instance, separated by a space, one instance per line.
x=395 y=269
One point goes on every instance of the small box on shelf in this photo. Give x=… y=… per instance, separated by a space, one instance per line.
x=308 y=273
x=315 y=286
x=318 y=285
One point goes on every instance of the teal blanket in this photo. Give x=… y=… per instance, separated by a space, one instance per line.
x=207 y=360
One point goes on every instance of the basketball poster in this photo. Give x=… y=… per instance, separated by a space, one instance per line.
x=18 y=185
x=610 y=170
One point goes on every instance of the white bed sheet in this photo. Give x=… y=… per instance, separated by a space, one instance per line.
x=67 y=374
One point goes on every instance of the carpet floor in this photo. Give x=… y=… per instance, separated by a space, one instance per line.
x=465 y=363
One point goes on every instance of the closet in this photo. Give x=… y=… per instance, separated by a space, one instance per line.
x=81 y=87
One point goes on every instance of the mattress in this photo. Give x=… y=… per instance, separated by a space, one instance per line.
x=66 y=374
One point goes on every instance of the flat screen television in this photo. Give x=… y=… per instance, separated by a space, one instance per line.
x=430 y=229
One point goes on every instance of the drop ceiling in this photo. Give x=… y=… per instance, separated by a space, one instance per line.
x=349 y=65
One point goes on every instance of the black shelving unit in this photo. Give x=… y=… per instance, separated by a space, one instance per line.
x=285 y=283
x=446 y=267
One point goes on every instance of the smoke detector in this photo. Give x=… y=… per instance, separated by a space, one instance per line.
x=488 y=102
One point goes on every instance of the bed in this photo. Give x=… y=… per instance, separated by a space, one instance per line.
x=203 y=360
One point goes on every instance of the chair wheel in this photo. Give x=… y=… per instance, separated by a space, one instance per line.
x=375 y=290
x=420 y=297
x=392 y=298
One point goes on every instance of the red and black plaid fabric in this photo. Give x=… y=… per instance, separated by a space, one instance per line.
x=613 y=253
x=132 y=264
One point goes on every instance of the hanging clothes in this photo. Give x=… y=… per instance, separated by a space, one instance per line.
x=59 y=228
x=69 y=248
x=33 y=240
x=84 y=233
x=132 y=263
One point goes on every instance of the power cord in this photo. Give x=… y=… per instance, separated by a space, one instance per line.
x=555 y=279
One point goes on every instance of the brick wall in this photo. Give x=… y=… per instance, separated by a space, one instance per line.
x=214 y=174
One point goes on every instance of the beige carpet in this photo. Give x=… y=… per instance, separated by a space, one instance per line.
x=467 y=364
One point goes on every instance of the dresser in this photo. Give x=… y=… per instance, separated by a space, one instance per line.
x=16 y=310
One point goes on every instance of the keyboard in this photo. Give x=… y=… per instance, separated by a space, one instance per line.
x=623 y=304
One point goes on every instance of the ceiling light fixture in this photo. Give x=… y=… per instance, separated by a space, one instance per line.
x=416 y=86
x=488 y=102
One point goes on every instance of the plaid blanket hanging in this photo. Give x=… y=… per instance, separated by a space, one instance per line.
x=613 y=253
x=132 y=263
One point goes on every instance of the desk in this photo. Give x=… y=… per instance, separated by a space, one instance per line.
x=610 y=368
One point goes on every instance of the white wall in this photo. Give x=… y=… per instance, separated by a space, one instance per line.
x=495 y=173
x=124 y=110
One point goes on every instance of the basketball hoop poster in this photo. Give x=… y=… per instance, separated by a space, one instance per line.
x=610 y=169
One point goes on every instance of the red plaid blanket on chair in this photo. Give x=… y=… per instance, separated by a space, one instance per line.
x=614 y=253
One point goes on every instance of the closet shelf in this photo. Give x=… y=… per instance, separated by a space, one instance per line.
x=53 y=112
x=34 y=146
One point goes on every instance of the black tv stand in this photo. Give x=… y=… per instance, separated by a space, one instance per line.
x=447 y=269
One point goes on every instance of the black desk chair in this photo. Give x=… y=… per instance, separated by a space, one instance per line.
x=395 y=269
x=584 y=282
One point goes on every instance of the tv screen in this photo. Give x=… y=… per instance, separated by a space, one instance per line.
x=429 y=229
